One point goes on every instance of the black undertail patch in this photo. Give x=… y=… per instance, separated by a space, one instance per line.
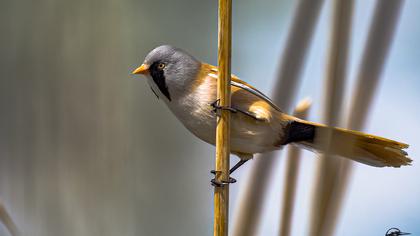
x=159 y=78
x=296 y=132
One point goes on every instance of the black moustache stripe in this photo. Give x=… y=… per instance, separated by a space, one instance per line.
x=160 y=80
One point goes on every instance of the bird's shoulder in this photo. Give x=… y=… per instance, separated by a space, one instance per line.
x=239 y=88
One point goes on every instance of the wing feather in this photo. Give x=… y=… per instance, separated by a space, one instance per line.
x=256 y=92
x=236 y=82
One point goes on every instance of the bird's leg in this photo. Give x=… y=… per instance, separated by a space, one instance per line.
x=237 y=165
x=216 y=106
x=231 y=180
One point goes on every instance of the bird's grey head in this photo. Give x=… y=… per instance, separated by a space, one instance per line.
x=170 y=68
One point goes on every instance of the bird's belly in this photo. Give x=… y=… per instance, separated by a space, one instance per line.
x=198 y=118
x=247 y=136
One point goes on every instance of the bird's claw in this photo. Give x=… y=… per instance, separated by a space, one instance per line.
x=216 y=183
x=216 y=107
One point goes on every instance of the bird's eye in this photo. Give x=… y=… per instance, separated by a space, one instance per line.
x=161 y=66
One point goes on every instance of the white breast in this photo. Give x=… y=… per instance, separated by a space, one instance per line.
x=192 y=107
x=195 y=112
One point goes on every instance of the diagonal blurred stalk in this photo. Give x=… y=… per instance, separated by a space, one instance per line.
x=6 y=219
x=291 y=175
x=251 y=196
x=376 y=50
x=334 y=90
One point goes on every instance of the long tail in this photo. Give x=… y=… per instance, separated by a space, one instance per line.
x=364 y=148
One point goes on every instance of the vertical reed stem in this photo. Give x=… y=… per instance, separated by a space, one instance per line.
x=377 y=47
x=291 y=175
x=252 y=195
x=221 y=194
x=334 y=91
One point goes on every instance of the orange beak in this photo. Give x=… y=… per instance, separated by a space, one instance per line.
x=143 y=69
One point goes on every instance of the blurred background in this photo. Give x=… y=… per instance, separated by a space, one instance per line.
x=87 y=149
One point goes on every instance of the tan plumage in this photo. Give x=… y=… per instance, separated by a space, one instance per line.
x=361 y=147
x=264 y=132
x=188 y=87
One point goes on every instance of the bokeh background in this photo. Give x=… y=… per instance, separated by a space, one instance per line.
x=87 y=149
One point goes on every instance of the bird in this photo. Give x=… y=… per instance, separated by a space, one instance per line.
x=189 y=89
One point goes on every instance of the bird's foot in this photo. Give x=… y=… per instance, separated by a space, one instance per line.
x=216 y=107
x=216 y=183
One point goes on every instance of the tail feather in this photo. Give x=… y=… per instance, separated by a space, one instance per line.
x=358 y=146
